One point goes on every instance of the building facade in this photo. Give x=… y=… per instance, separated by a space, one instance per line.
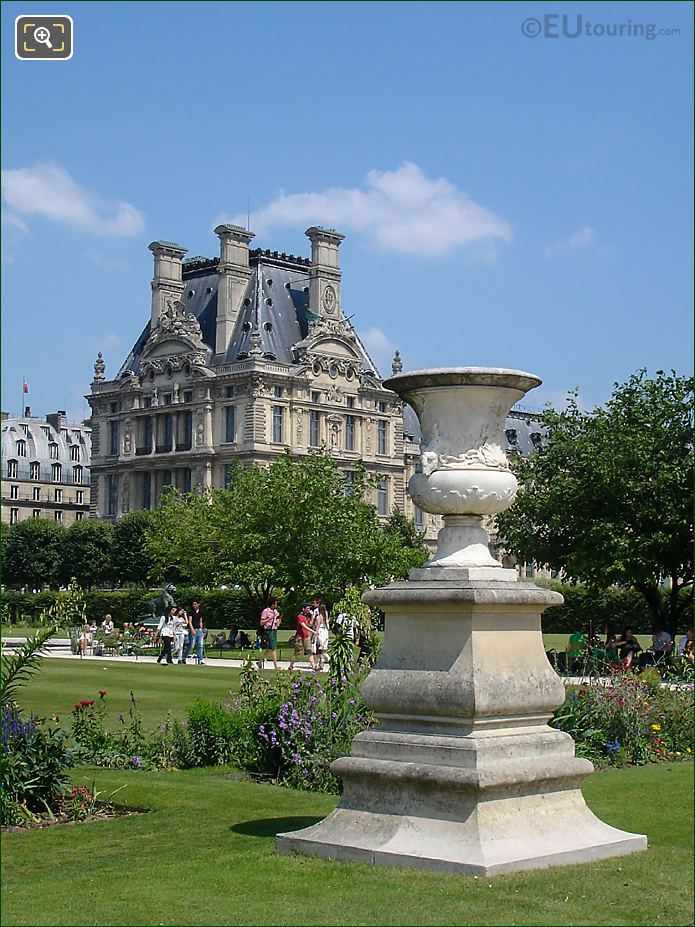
x=246 y=356
x=46 y=468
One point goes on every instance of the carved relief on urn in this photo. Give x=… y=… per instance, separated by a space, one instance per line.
x=465 y=474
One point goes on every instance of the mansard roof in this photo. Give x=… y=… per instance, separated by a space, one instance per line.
x=273 y=317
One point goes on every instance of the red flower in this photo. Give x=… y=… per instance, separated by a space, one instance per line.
x=85 y=703
x=77 y=707
x=102 y=693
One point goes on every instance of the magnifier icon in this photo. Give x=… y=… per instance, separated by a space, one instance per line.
x=43 y=36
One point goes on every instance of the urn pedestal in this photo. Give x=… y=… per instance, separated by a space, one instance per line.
x=462 y=772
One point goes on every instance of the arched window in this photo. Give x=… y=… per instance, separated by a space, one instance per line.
x=34 y=470
x=53 y=450
x=21 y=448
x=77 y=475
x=56 y=472
x=12 y=469
x=74 y=452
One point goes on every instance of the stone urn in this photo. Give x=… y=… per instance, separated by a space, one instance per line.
x=465 y=473
x=463 y=772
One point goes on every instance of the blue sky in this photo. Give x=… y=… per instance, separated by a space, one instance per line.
x=507 y=201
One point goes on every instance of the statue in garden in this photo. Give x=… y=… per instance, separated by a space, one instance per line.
x=157 y=607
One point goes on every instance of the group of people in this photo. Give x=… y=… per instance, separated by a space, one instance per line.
x=90 y=630
x=626 y=649
x=179 y=632
x=310 y=638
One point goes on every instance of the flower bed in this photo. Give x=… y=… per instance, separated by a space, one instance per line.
x=629 y=720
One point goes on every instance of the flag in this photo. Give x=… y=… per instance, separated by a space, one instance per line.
x=26 y=387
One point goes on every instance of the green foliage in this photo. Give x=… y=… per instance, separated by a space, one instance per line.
x=85 y=553
x=632 y=720
x=32 y=553
x=222 y=607
x=212 y=734
x=19 y=667
x=608 y=496
x=129 y=746
x=131 y=564
x=593 y=608
x=289 y=527
x=34 y=760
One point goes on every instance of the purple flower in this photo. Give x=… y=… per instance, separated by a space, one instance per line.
x=352 y=702
x=136 y=762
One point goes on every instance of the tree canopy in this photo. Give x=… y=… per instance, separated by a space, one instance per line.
x=85 y=553
x=608 y=496
x=289 y=527
x=32 y=553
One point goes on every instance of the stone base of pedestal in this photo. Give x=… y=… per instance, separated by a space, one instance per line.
x=525 y=813
x=462 y=772
x=495 y=839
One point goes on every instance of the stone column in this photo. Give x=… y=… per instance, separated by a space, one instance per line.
x=462 y=772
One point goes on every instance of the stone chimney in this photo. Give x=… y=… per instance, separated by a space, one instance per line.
x=324 y=283
x=56 y=419
x=27 y=411
x=233 y=276
x=167 y=283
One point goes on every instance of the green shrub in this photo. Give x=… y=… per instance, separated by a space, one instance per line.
x=34 y=760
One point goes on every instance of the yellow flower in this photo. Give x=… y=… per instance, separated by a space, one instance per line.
x=646 y=704
x=689 y=750
x=656 y=727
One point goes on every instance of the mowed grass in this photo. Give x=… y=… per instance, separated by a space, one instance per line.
x=158 y=690
x=205 y=855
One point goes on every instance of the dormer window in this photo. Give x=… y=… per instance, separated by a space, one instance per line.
x=536 y=438
x=34 y=470
x=74 y=452
x=53 y=450
x=21 y=448
x=512 y=438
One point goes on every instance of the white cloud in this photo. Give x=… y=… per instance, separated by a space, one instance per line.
x=379 y=347
x=581 y=239
x=48 y=190
x=402 y=211
x=105 y=262
x=14 y=222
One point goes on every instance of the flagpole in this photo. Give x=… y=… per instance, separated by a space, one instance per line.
x=21 y=405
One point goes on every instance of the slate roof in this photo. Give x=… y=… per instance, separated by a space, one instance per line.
x=276 y=305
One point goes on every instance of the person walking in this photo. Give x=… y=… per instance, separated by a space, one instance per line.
x=321 y=627
x=165 y=632
x=270 y=622
x=302 y=639
x=196 y=633
x=180 y=634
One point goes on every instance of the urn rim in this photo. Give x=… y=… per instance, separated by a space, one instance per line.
x=503 y=377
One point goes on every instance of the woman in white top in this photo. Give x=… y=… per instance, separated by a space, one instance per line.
x=107 y=625
x=180 y=622
x=165 y=631
x=321 y=627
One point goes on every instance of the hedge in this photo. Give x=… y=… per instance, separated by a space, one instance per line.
x=595 y=608
x=221 y=607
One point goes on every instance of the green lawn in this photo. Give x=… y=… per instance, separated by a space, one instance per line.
x=157 y=689
x=205 y=855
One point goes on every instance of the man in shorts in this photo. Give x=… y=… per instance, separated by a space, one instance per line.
x=302 y=639
x=270 y=622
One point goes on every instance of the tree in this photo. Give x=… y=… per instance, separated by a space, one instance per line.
x=85 y=553
x=288 y=527
x=130 y=558
x=32 y=553
x=405 y=548
x=608 y=496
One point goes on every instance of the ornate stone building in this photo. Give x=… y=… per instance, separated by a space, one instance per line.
x=245 y=356
x=45 y=468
